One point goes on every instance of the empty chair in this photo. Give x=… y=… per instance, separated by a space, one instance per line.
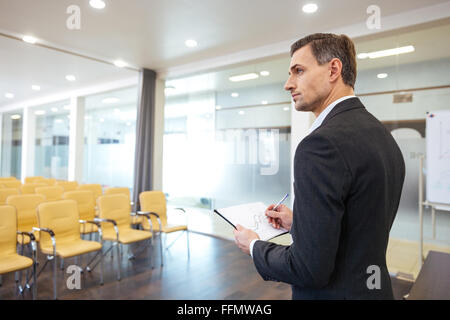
x=12 y=184
x=154 y=203
x=114 y=213
x=33 y=179
x=135 y=219
x=30 y=188
x=67 y=185
x=94 y=187
x=86 y=208
x=51 y=193
x=26 y=205
x=5 y=193
x=10 y=261
x=59 y=230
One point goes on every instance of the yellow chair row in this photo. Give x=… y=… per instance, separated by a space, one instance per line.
x=113 y=223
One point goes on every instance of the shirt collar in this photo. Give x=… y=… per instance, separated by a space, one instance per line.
x=318 y=122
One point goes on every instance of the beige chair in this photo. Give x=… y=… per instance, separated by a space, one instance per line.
x=153 y=203
x=51 y=193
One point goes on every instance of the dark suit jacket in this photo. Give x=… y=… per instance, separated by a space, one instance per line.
x=349 y=175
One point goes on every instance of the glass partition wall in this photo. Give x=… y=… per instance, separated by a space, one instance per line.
x=11 y=148
x=110 y=138
x=51 y=156
x=227 y=138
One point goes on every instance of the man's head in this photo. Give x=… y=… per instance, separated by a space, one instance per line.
x=322 y=64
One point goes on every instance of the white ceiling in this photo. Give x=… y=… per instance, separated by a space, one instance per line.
x=151 y=34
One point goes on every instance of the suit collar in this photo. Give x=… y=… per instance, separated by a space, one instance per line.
x=346 y=105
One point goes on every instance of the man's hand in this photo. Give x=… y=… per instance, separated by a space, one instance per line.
x=243 y=238
x=281 y=218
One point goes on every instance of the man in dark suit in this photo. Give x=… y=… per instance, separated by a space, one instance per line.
x=348 y=174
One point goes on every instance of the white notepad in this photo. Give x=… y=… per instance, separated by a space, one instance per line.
x=251 y=216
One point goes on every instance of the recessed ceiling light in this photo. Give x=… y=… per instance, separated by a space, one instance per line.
x=218 y=107
x=97 y=4
x=9 y=95
x=264 y=102
x=110 y=100
x=29 y=39
x=241 y=112
x=190 y=43
x=120 y=63
x=39 y=112
x=310 y=8
x=16 y=116
x=382 y=75
x=71 y=77
x=244 y=77
x=58 y=120
x=35 y=88
x=264 y=73
x=235 y=94
x=286 y=108
x=385 y=53
x=54 y=109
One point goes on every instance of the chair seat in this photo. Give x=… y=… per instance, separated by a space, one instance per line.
x=14 y=262
x=126 y=235
x=88 y=228
x=168 y=228
x=72 y=248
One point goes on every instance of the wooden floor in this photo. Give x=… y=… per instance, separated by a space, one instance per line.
x=216 y=270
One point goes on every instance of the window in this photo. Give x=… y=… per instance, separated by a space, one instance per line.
x=11 y=149
x=110 y=138
x=52 y=140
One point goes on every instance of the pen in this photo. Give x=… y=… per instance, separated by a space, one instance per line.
x=280 y=202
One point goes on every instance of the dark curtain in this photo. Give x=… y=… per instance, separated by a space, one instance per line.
x=143 y=162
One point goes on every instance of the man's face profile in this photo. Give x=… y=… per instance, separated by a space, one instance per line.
x=308 y=81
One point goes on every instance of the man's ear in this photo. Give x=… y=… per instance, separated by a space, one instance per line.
x=335 y=68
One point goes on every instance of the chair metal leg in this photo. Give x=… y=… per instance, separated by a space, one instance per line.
x=62 y=264
x=187 y=240
x=101 y=265
x=55 y=292
x=1 y=280
x=118 y=261
x=161 y=248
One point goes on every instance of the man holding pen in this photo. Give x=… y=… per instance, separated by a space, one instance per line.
x=348 y=174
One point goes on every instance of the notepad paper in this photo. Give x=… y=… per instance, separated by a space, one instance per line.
x=252 y=216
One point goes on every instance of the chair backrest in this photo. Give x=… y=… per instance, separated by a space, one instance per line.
x=85 y=203
x=119 y=190
x=154 y=201
x=5 y=193
x=115 y=207
x=8 y=179
x=33 y=179
x=94 y=187
x=62 y=218
x=26 y=205
x=8 y=229
x=51 y=193
x=68 y=185
x=30 y=188
x=12 y=184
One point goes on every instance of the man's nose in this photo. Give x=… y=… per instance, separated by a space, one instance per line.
x=288 y=86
